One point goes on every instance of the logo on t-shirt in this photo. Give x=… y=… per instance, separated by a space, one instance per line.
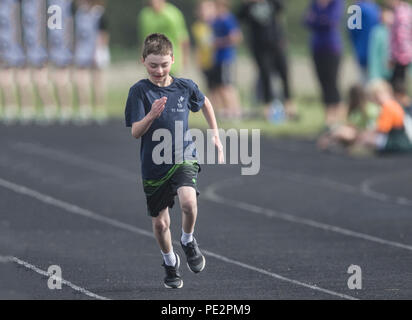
x=180 y=103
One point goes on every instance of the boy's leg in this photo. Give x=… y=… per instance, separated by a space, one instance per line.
x=161 y=230
x=188 y=204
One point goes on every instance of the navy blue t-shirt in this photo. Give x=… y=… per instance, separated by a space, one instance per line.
x=183 y=96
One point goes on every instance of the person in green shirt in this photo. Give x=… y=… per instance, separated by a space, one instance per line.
x=163 y=17
x=379 y=47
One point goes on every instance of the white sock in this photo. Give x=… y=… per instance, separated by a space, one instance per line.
x=169 y=258
x=186 y=237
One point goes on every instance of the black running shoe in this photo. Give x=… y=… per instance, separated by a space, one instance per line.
x=173 y=279
x=195 y=260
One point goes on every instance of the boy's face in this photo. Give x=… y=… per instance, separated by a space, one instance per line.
x=158 y=66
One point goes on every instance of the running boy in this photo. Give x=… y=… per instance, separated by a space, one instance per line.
x=159 y=103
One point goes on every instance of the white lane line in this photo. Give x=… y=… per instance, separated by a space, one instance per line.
x=27 y=265
x=89 y=214
x=211 y=194
x=279 y=277
x=69 y=158
x=74 y=160
x=110 y=170
x=365 y=189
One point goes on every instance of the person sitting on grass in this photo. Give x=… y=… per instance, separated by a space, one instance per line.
x=362 y=115
x=402 y=96
x=160 y=102
x=390 y=134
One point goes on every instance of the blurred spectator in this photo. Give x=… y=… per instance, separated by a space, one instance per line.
x=402 y=96
x=401 y=39
x=11 y=56
x=268 y=45
x=34 y=25
x=360 y=37
x=362 y=115
x=379 y=47
x=390 y=134
x=227 y=36
x=163 y=17
x=91 y=55
x=61 y=57
x=203 y=36
x=324 y=18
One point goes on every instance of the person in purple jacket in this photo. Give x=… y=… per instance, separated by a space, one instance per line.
x=323 y=18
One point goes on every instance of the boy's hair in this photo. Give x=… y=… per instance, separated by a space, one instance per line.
x=157 y=44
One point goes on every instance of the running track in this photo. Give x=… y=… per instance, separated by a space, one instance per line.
x=71 y=196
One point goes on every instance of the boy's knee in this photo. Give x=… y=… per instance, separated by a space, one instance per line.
x=161 y=225
x=189 y=206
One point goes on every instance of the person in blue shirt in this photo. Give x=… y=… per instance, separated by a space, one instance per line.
x=227 y=36
x=161 y=105
x=361 y=37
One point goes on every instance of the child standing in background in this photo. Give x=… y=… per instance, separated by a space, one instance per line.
x=34 y=38
x=203 y=36
x=12 y=58
x=61 y=57
x=90 y=56
x=227 y=36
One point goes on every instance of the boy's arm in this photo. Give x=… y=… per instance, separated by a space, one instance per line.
x=140 y=128
x=210 y=117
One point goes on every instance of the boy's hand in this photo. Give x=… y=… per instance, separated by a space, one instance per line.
x=219 y=146
x=157 y=108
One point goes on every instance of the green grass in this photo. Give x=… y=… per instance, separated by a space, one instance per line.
x=309 y=125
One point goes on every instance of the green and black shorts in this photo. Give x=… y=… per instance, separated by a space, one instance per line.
x=161 y=193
